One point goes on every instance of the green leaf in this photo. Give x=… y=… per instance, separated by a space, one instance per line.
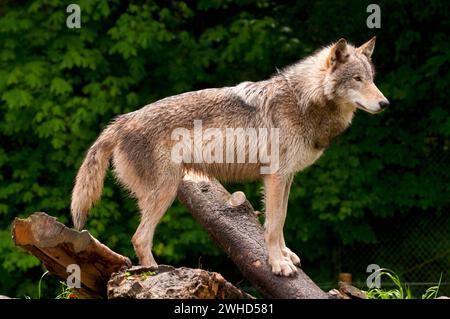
x=17 y=98
x=60 y=87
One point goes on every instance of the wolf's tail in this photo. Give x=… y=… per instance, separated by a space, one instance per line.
x=89 y=180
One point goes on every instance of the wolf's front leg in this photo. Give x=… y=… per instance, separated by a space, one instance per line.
x=275 y=186
x=286 y=251
x=289 y=254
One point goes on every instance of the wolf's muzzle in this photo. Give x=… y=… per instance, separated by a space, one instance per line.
x=384 y=104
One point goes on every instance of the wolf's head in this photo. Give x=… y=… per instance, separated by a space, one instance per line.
x=349 y=78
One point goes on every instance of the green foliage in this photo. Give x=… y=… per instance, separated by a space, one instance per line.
x=59 y=87
x=401 y=291
x=65 y=292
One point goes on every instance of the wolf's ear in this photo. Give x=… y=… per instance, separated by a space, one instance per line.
x=338 y=53
x=367 y=48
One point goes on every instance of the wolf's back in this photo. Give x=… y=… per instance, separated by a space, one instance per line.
x=90 y=176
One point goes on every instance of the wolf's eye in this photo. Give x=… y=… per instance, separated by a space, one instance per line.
x=358 y=78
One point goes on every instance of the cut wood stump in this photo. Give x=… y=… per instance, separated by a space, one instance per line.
x=173 y=283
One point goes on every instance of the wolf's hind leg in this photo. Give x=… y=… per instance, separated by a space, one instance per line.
x=286 y=251
x=153 y=206
x=275 y=186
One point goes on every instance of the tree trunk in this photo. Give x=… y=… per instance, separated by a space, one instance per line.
x=232 y=223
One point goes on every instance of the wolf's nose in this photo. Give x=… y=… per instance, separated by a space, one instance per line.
x=384 y=104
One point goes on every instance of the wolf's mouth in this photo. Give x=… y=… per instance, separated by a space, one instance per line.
x=362 y=107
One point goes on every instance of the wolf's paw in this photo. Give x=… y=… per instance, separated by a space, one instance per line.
x=283 y=267
x=291 y=256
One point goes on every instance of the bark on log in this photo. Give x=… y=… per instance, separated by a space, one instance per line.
x=58 y=246
x=232 y=223
x=169 y=282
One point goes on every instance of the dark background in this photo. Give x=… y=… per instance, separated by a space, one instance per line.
x=379 y=195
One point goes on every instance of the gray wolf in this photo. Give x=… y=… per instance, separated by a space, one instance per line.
x=310 y=102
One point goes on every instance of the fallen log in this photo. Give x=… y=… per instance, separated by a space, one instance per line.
x=58 y=247
x=232 y=223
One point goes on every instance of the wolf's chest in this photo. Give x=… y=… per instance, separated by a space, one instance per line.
x=300 y=156
x=326 y=129
x=311 y=140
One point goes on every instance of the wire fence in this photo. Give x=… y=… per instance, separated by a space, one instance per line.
x=421 y=260
x=416 y=245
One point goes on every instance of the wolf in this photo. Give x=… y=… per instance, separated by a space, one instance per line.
x=310 y=102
